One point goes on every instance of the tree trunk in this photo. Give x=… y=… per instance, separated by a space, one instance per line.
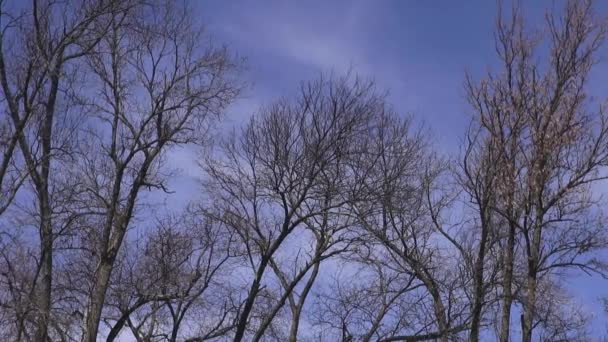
x=97 y=299
x=479 y=291
x=295 y=320
x=46 y=228
x=507 y=282
x=45 y=282
x=530 y=302
x=253 y=291
x=528 y=315
x=439 y=309
x=441 y=322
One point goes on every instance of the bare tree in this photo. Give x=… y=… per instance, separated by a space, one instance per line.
x=179 y=274
x=164 y=92
x=158 y=85
x=400 y=174
x=287 y=175
x=568 y=145
x=551 y=147
x=488 y=176
x=475 y=236
x=40 y=46
x=326 y=216
x=329 y=241
x=372 y=303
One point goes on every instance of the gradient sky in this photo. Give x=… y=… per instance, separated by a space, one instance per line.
x=417 y=50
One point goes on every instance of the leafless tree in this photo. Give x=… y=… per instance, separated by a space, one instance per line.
x=40 y=47
x=286 y=175
x=401 y=176
x=178 y=278
x=551 y=145
x=158 y=85
x=86 y=171
x=474 y=235
x=373 y=302
x=326 y=216
x=328 y=242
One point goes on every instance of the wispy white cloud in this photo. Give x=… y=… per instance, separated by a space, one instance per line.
x=322 y=38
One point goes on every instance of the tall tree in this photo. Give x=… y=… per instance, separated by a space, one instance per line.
x=40 y=46
x=551 y=145
x=401 y=176
x=158 y=85
x=287 y=174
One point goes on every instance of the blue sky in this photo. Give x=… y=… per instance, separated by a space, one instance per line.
x=417 y=50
